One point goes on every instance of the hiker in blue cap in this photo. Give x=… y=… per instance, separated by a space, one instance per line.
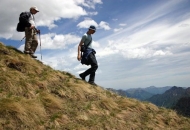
x=87 y=55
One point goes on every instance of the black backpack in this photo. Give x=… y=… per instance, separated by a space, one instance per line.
x=23 y=21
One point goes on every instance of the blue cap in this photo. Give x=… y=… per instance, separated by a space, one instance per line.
x=92 y=27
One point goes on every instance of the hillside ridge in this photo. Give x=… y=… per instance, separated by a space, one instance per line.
x=35 y=96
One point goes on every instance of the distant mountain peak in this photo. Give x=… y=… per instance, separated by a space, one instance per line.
x=152 y=87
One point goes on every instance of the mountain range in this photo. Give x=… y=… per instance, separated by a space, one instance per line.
x=170 y=97
x=176 y=98
x=141 y=93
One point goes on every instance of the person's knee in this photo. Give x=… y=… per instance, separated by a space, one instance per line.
x=35 y=41
x=95 y=67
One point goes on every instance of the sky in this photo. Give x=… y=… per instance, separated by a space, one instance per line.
x=138 y=43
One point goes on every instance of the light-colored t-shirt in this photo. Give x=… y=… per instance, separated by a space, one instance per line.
x=31 y=20
x=87 y=39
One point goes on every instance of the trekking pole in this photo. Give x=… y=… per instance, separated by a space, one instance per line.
x=22 y=38
x=40 y=46
x=20 y=41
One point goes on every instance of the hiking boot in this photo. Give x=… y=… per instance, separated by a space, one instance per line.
x=92 y=83
x=31 y=52
x=33 y=56
x=26 y=52
x=82 y=76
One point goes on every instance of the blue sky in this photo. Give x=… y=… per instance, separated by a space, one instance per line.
x=139 y=43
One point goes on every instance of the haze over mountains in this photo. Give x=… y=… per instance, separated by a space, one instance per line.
x=142 y=93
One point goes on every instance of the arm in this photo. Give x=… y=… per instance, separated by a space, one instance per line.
x=30 y=17
x=79 y=53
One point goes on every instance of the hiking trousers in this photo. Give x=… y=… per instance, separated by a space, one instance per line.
x=94 y=66
x=31 y=41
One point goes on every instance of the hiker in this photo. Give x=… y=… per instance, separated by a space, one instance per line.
x=31 y=32
x=88 y=54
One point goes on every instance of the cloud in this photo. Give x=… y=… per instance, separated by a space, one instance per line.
x=117 y=29
x=88 y=21
x=92 y=13
x=143 y=53
x=159 y=39
x=104 y=25
x=53 y=41
x=115 y=19
x=50 y=12
x=122 y=24
x=90 y=3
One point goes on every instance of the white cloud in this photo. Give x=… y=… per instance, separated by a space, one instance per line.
x=107 y=52
x=150 y=41
x=115 y=19
x=50 y=11
x=117 y=29
x=104 y=25
x=141 y=53
x=92 y=13
x=122 y=24
x=55 y=41
x=88 y=21
x=80 y=67
x=90 y=3
x=120 y=28
x=95 y=44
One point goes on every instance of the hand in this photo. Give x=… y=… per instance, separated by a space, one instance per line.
x=31 y=27
x=79 y=57
x=38 y=31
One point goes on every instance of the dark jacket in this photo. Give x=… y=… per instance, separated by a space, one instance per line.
x=85 y=55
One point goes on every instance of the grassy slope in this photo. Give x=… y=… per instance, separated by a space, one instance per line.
x=34 y=96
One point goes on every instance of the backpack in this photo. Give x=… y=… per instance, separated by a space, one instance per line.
x=23 y=21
